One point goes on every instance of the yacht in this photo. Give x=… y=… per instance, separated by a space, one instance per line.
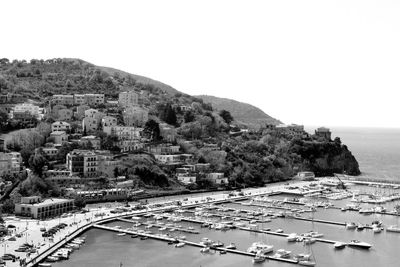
x=339 y=245
x=260 y=247
x=281 y=253
x=121 y=234
x=231 y=246
x=393 y=228
x=179 y=245
x=291 y=237
x=376 y=229
x=258 y=258
x=205 y=250
x=351 y=226
x=309 y=240
x=359 y=244
x=307 y=263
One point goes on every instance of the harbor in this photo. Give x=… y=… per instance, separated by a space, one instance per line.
x=244 y=220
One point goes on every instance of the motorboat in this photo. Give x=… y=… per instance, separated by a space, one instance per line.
x=121 y=234
x=260 y=247
x=291 y=237
x=366 y=211
x=258 y=258
x=309 y=240
x=205 y=250
x=393 y=228
x=307 y=263
x=231 y=246
x=339 y=245
x=359 y=244
x=279 y=231
x=351 y=226
x=180 y=244
x=217 y=244
x=222 y=252
x=281 y=253
x=134 y=236
x=376 y=229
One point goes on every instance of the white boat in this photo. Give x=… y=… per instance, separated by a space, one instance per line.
x=279 y=231
x=281 y=253
x=309 y=240
x=258 y=258
x=205 y=250
x=351 y=226
x=291 y=237
x=376 y=229
x=231 y=246
x=260 y=247
x=307 y=263
x=121 y=234
x=339 y=245
x=44 y=264
x=180 y=244
x=190 y=228
x=359 y=244
x=52 y=259
x=393 y=228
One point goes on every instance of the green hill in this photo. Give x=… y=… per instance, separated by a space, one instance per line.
x=242 y=112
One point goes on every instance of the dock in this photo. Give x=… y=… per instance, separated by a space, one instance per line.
x=190 y=243
x=161 y=226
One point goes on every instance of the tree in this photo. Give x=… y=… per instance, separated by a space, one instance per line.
x=3 y=119
x=168 y=114
x=37 y=161
x=188 y=116
x=44 y=129
x=226 y=115
x=80 y=203
x=152 y=130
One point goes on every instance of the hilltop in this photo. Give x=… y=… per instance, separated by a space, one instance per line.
x=242 y=112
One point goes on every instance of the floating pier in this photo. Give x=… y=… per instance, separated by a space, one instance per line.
x=161 y=226
x=170 y=239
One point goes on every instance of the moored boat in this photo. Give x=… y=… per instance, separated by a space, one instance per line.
x=359 y=244
x=339 y=245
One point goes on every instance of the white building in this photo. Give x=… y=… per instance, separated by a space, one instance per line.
x=35 y=208
x=10 y=163
x=59 y=137
x=124 y=132
x=28 y=108
x=217 y=178
x=135 y=116
x=60 y=126
x=108 y=121
x=128 y=98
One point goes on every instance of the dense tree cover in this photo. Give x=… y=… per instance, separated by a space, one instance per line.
x=226 y=115
x=152 y=130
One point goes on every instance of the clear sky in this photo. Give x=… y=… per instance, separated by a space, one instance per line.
x=307 y=62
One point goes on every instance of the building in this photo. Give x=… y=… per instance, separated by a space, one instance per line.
x=129 y=145
x=108 y=121
x=124 y=132
x=92 y=120
x=10 y=163
x=164 y=149
x=64 y=181
x=54 y=173
x=89 y=99
x=67 y=100
x=169 y=159
x=59 y=137
x=128 y=99
x=306 y=176
x=323 y=132
x=217 y=178
x=93 y=140
x=80 y=111
x=36 y=208
x=50 y=152
x=64 y=114
x=187 y=179
x=135 y=116
x=60 y=126
x=88 y=163
x=82 y=163
x=25 y=108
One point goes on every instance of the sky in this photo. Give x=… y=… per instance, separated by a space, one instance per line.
x=330 y=63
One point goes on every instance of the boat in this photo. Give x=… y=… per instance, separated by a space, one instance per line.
x=351 y=226
x=180 y=244
x=339 y=245
x=360 y=227
x=258 y=258
x=260 y=247
x=309 y=240
x=163 y=228
x=366 y=211
x=359 y=244
x=376 y=229
x=217 y=244
x=52 y=259
x=222 y=252
x=121 y=234
x=281 y=253
x=231 y=246
x=279 y=231
x=143 y=238
x=291 y=237
x=190 y=228
x=134 y=236
x=44 y=264
x=205 y=250
x=393 y=228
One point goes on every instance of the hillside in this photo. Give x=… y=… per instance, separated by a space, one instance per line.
x=242 y=112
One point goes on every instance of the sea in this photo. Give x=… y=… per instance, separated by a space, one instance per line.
x=378 y=154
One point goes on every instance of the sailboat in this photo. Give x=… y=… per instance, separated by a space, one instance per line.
x=306 y=259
